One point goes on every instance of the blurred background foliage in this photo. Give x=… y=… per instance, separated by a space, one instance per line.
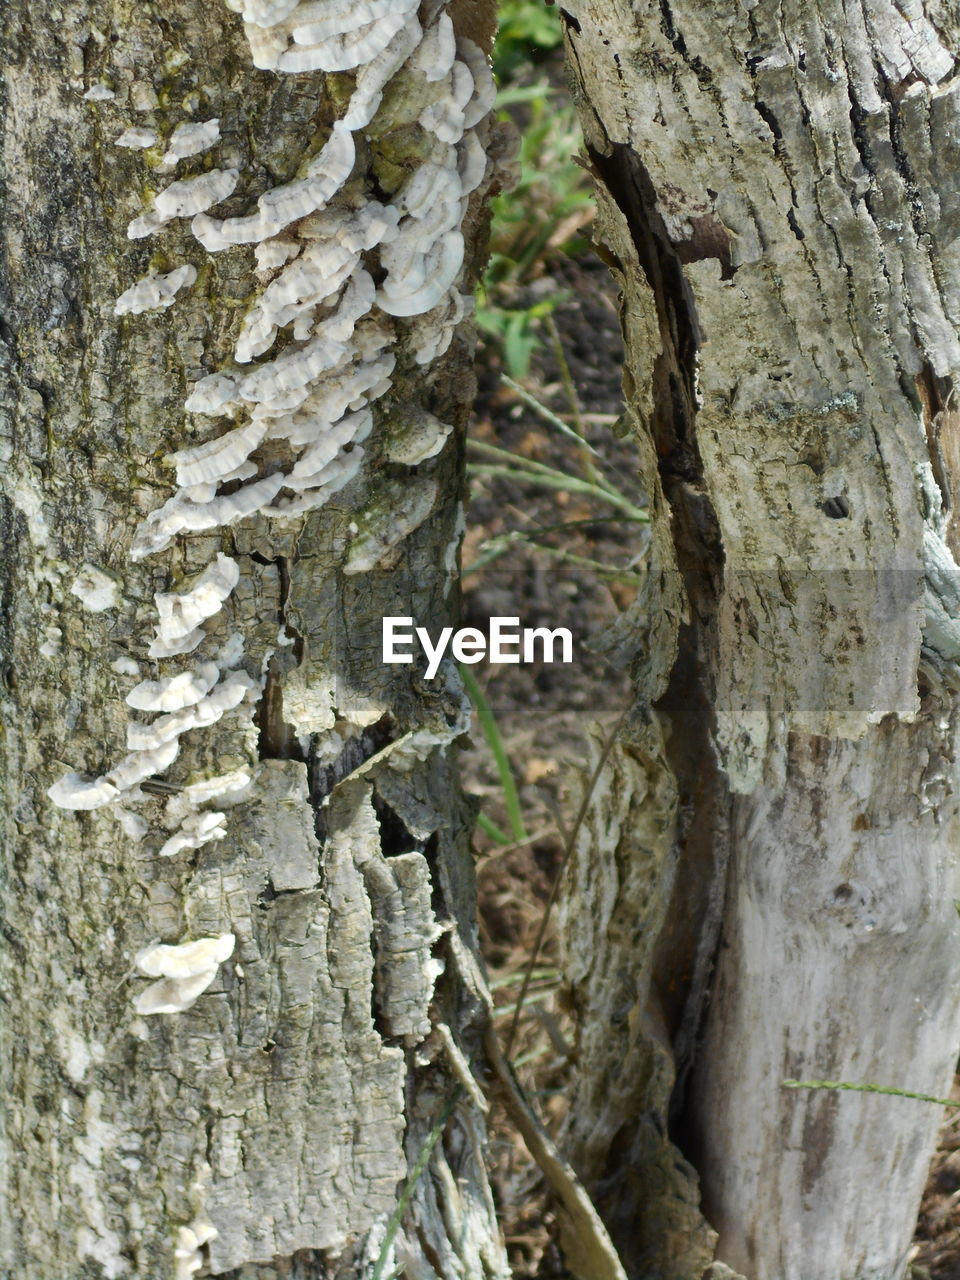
x=556 y=534
x=549 y=210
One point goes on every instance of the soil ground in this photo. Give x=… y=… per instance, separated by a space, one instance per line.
x=543 y=713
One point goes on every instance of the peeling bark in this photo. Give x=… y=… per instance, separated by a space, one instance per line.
x=779 y=202
x=285 y=1108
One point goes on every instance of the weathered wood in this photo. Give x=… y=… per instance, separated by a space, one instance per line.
x=287 y=1105
x=780 y=202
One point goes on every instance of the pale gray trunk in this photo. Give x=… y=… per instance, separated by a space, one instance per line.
x=775 y=896
x=289 y=1104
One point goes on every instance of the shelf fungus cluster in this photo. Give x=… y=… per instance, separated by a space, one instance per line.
x=183 y=972
x=348 y=283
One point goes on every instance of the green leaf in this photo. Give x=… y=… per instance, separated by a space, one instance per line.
x=522 y=93
x=519 y=343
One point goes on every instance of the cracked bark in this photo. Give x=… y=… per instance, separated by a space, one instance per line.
x=768 y=888
x=289 y=1103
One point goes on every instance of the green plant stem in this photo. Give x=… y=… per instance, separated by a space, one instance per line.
x=522 y=93
x=492 y=830
x=535 y=996
x=568 y=844
x=518 y=468
x=496 y=547
x=516 y=462
x=488 y=724
x=416 y=1173
x=569 y=484
x=539 y=975
x=589 y=470
x=595 y=477
x=540 y=1052
x=579 y=524
x=493 y=548
x=848 y=1086
x=512 y=847
x=547 y=414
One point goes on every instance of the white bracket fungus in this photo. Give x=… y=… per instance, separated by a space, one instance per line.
x=180 y=614
x=274 y=253
x=420 y=437
x=195 y=831
x=74 y=792
x=140 y=765
x=211 y=394
x=185 y=959
x=188 y=1253
x=194 y=195
x=145 y=225
x=154 y=292
x=190 y=139
x=325 y=245
x=132 y=824
x=324 y=177
x=437 y=51
x=174 y=648
x=485 y=90
x=148 y=738
x=296 y=419
x=218 y=458
x=226 y=789
x=137 y=138
x=185 y=971
x=172 y=693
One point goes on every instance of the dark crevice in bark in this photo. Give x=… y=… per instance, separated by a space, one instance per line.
x=934 y=394
x=307 y=1264
x=696 y=65
x=675 y=390
x=695 y=526
x=914 y=203
x=287 y=627
x=685 y=954
x=395 y=839
x=277 y=739
x=322 y=778
x=861 y=138
x=769 y=119
x=766 y=114
x=690 y=936
x=710 y=239
x=901 y=153
x=379 y=1017
x=8 y=538
x=269 y=893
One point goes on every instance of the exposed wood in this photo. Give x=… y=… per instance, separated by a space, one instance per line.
x=780 y=202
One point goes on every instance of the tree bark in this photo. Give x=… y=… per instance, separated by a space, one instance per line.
x=285 y=1108
x=776 y=898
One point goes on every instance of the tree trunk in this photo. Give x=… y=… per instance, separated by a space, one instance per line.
x=775 y=897
x=266 y=1128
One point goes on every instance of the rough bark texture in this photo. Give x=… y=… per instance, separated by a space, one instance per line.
x=288 y=1104
x=780 y=201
